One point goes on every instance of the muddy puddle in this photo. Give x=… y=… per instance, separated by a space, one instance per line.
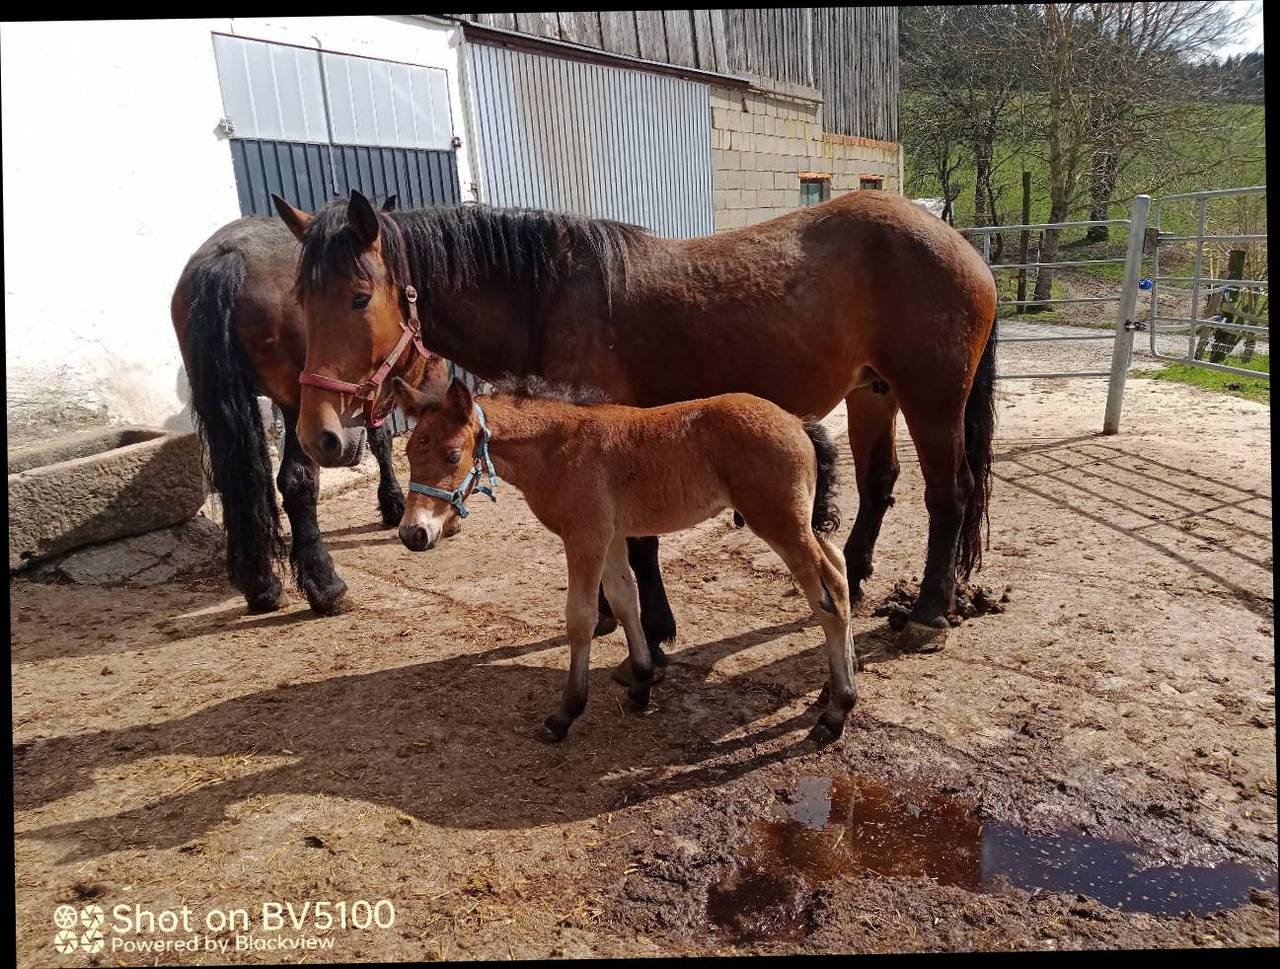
x=854 y=825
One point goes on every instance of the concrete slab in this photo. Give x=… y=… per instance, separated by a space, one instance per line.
x=95 y=486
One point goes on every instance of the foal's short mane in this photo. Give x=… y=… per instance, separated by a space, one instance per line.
x=539 y=388
x=449 y=247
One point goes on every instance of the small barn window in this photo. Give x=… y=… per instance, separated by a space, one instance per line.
x=815 y=187
x=870 y=181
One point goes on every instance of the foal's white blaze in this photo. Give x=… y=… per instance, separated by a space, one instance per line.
x=428 y=514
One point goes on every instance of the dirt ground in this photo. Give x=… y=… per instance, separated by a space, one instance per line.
x=170 y=750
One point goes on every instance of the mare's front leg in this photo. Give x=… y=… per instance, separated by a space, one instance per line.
x=299 y=483
x=390 y=497
x=655 y=612
x=585 y=559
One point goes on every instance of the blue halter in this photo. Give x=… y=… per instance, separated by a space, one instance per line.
x=458 y=496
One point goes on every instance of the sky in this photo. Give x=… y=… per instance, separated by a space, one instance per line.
x=1250 y=39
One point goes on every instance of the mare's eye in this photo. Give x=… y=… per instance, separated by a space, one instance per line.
x=361 y=301
x=455 y=456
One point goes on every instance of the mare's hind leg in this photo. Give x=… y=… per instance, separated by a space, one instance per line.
x=299 y=483
x=947 y=483
x=815 y=566
x=586 y=565
x=620 y=588
x=390 y=497
x=875 y=461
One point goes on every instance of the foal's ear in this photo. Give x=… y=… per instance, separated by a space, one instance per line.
x=295 y=219
x=413 y=401
x=389 y=203
x=362 y=219
x=458 y=401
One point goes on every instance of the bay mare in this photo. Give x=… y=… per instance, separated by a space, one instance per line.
x=241 y=334
x=867 y=298
x=596 y=474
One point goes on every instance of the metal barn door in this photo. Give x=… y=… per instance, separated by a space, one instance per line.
x=601 y=141
x=309 y=125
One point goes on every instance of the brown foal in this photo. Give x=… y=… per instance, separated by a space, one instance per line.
x=596 y=474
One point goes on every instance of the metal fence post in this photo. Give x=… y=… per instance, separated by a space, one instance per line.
x=1123 y=349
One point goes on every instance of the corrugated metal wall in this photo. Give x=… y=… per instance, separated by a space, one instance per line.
x=308 y=175
x=601 y=141
x=308 y=125
x=849 y=53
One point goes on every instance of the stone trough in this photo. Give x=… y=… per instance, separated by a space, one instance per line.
x=98 y=485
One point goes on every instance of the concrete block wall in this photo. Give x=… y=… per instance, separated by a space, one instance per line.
x=761 y=142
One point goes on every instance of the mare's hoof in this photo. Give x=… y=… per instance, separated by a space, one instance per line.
x=637 y=699
x=554 y=729
x=822 y=734
x=918 y=637
x=330 y=602
x=392 y=509
x=269 y=600
x=622 y=674
x=604 y=626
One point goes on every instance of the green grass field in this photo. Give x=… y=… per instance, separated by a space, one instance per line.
x=1219 y=382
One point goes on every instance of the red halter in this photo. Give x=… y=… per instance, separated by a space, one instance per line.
x=369 y=391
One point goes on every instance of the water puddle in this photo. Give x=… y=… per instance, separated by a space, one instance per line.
x=850 y=825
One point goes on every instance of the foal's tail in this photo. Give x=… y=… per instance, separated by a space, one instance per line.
x=826 y=516
x=224 y=405
x=979 y=429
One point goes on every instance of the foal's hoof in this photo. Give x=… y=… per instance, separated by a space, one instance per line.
x=554 y=729
x=329 y=601
x=270 y=599
x=604 y=626
x=622 y=674
x=918 y=637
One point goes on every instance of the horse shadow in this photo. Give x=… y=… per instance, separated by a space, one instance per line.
x=451 y=742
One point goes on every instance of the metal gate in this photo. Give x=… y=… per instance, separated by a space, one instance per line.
x=308 y=125
x=1125 y=300
x=601 y=141
x=1232 y=299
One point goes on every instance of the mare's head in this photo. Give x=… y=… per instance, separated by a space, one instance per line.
x=351 y=281
x=441 y=451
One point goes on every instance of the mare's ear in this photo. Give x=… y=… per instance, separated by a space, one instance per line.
x=389 y=203
x=458 y=401
x=413 y=401
x=362 y=219
x=295 y=219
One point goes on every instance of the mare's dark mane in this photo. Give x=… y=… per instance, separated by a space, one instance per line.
x=451 y=247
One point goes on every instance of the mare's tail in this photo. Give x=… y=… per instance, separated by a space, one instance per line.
x=224 y=405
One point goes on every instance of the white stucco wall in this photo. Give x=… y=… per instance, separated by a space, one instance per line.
x=114 y=172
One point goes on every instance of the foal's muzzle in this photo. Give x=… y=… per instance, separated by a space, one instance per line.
x=417 y=538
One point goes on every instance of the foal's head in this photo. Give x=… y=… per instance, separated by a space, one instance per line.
x=351 y=283
x=441 y=451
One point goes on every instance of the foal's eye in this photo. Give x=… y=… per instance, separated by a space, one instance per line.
x=455 y=456
x=361 y=300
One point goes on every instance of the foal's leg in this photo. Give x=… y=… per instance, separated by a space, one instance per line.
x=585 y=559
x=299 y=483
x=875 y=461
x=620 y=588
x=815 y=565
x=390 y=497
x=947 y=483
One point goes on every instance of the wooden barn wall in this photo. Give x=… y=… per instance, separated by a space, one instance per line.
x=850 y=54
